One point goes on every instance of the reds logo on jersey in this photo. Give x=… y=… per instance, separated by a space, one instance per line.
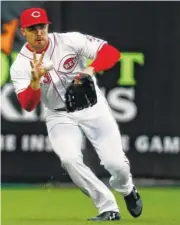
x=68 y=63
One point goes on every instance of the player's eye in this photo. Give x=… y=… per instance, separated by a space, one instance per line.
x=33 y=28
x=42 y=26
x=36 y=27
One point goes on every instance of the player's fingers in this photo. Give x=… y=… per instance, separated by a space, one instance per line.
x=34 y=74
x=32 y=65
x=41 y=58
x=78 y=76
x=34 y=56
x=77 y=79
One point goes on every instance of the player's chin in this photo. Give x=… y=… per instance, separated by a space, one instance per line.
x=40 y=44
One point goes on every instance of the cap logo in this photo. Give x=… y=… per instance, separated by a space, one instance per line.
x=35 y=14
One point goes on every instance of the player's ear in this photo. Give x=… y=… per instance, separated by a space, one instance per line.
x=22 y=31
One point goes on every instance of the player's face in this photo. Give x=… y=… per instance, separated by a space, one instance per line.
x=36 y=36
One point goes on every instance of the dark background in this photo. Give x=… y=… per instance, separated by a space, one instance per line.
x=152 y=28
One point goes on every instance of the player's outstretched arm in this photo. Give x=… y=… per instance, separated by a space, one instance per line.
x=106 y=58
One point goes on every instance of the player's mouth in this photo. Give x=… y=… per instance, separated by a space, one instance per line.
x=39 y=40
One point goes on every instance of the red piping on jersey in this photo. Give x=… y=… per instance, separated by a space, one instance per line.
x=29 y=98
x=106 y=58
x=55 y=85
x=25 y=56
x=53 y=47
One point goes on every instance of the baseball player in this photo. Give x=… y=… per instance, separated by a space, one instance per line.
x=51 y=67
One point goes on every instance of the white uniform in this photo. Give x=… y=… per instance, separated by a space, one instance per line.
x=68 y=52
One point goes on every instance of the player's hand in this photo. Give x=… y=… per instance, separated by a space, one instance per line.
x=88 y=70
x=38 y=70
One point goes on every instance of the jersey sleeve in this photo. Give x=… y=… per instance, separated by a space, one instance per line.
x=85 y=45
x=20 y=79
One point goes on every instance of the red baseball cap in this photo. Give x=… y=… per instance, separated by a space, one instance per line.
x=33 y=16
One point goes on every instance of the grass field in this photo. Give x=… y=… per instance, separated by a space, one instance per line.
x=59 y=206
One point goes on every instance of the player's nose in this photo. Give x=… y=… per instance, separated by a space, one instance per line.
x=39 y=31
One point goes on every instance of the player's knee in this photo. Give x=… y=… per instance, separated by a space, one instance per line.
x=69 y=160
x=118 y=168
x=116 y=165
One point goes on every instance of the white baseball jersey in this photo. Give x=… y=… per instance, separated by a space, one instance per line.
x=68 y=52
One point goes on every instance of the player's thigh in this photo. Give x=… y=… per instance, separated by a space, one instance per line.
x=66 y=140
x=104 y=134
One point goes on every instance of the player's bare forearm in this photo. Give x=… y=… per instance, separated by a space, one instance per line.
x=89 y=70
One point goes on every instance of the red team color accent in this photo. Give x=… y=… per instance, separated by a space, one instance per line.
x=29 y=98
x=38 y=52
x=106 y=58
x=33 y=16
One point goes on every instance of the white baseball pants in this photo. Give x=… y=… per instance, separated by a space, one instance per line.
x=97 y=123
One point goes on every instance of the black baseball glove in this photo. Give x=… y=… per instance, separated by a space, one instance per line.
x=80 y=95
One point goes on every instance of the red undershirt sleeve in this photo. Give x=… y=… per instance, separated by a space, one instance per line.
x=29 y=98
x=106 y=58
